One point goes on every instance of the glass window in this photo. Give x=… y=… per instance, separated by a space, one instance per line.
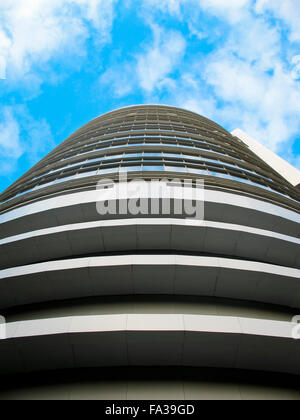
x=175 y=168
x=86 y=174
x=149 y=168
x=150 y=154
x=108 y=171
x=111 y=157
x=132 y=168
x=197 y=171
x=69 y=178
x=218 y=162
x=193 y=157
x=173 y=155
x=98 y=159
x=247 y=181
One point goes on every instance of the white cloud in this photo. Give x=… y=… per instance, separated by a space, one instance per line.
x=294 y=160
x=256 y=85
x=151 y=70
x=100 y=12
x=34 y=31
x=231 y=9
x=10 y=144
x=251 y=79
x=22 y=136
x=120 y=83
x=160 y=59
x=4 y=46
x=2 y=68
x=296 y=67
x=38 y=139
x=171 y=6
x=286 y=10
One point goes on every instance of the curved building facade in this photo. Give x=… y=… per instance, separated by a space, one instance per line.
x=150 y=304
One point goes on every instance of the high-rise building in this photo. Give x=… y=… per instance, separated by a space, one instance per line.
x=151 y=302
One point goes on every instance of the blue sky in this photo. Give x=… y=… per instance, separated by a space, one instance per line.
x=64 y=62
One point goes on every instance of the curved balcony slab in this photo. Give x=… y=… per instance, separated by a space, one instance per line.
x=150 y=383
x=150 y=340
x=81 y=207
x=150 y=274
x=132 y=235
